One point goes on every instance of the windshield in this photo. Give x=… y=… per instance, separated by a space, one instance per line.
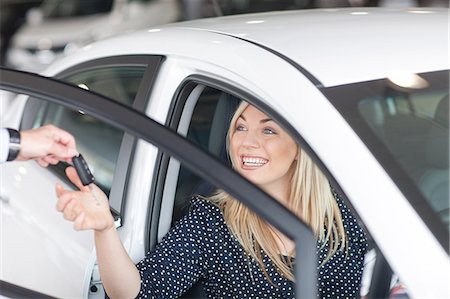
x=404 y=120
x=72 y=8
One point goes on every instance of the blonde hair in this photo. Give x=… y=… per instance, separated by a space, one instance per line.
x=310 y=198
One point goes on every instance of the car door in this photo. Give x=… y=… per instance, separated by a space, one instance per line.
x=28 y=190
x=200 y=163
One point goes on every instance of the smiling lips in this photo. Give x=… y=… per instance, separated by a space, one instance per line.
x=252 y=162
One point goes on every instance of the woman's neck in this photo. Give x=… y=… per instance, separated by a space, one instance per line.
x=279 y=192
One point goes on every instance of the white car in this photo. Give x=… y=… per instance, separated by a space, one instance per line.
x=364 y=91
x=59 y=27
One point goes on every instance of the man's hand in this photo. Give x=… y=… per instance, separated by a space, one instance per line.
x=47 y=145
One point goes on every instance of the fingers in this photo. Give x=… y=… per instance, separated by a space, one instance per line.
x=64 y=145
x=42 y=163
x=68 y=211
x=70 y=207
x=46 y=160
x=46 y=143
x=79 y=222
x=62 y=151
x=62 y=137
x=59 y=190
x=87 y=210
x=63 y=199
x=75 y=179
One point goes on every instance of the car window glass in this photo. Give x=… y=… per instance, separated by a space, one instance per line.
x=406 y=126
x=118 y=83
x=414 y=126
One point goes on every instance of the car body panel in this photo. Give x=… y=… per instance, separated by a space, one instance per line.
x=38 y=236
x=331 y=35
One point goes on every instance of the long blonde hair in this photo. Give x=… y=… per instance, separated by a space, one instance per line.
x=310 y=198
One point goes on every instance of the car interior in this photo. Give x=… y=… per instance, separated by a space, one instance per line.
x=418 y=138
x=434 y=181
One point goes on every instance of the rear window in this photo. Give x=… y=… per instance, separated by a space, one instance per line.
x=404 y=120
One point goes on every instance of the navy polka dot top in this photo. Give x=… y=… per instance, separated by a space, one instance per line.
x=200 y=247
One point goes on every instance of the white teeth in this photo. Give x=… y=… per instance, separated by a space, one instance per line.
x=253 y=161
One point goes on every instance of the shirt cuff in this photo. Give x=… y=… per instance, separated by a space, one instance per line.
x=4 y=144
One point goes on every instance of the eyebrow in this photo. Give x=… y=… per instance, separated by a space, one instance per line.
x=262 y=121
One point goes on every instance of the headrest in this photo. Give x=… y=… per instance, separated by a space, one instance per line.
x=225 y=108
x=438 y=141
x=441 y=115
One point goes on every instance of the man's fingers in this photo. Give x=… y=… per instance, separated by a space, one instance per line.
x=62 y=151
x=63 y=137
x=51 y=160
x=42 y=162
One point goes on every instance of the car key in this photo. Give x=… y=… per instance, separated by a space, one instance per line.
x=83 y=170
x=85 y=174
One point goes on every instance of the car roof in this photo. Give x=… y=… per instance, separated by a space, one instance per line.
x=347 y=45
x=336 y=46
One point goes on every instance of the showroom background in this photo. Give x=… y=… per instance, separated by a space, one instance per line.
x=34 y=33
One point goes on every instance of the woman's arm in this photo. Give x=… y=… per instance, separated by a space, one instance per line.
x=89 y=209
x=119 y=275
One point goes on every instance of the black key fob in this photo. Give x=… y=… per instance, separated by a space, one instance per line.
x=83 y=170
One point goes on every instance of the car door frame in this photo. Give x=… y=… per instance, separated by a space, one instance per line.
x=151 y=63
x=138 y=124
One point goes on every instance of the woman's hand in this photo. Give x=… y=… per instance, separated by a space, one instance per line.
x=87 y=208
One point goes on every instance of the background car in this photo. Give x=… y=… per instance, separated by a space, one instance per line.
x=58 y=27
x=364 y=93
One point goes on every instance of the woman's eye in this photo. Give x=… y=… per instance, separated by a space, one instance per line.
x=269 y=131
x=240 y=128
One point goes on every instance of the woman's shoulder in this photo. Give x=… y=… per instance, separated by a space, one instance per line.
x=202 y=204
x=201 y=209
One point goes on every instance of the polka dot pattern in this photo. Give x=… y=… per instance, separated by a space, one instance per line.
x=201 y=248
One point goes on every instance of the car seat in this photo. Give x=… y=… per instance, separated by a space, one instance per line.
x=406 y=137
x=434 y=183
x=226 y=105
x=189 y=184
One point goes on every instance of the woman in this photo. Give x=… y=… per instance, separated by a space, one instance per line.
x=233 y=252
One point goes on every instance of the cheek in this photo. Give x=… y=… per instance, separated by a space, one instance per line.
x=233 y=150
x=285 y=152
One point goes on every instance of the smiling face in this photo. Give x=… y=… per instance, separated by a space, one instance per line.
x=261 y=151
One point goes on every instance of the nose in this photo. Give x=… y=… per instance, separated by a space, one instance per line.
x=251 y=140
